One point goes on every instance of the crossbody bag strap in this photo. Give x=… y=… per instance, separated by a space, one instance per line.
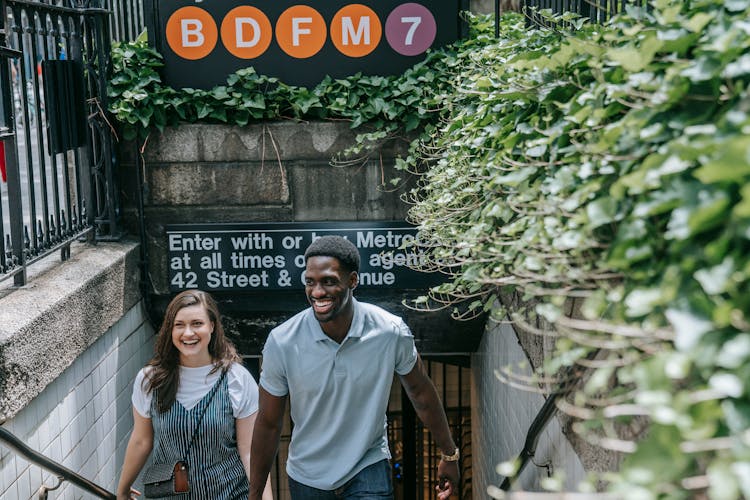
x=200 y=419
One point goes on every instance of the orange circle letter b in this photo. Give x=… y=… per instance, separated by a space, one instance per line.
x=191 y=33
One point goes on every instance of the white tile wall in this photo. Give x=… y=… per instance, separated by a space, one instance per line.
x=502 y=416
x=82 y=419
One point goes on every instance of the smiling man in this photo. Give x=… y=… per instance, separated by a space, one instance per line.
x=334 y=362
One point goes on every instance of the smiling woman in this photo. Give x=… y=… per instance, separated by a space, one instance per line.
x=196 y=391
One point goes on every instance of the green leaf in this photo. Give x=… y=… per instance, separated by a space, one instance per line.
x=635 y=58
x=715 y=280
x=735 y=5
x=702 y=69
x=642 y=301
x=601 y=211
x=698 y=22
x=689 y=328
x=731 y=163
x=742 y=209
x=661 y=448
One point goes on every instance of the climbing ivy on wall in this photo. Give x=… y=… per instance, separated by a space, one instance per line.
x=606 y=168
x=386 y=105
x=598 y=172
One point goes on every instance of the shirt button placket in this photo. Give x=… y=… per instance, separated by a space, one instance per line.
x=338 y=364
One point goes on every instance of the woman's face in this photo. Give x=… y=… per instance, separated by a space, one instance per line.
x=191 y=334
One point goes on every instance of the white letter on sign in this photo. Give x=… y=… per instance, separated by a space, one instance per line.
x=297 y=31
x=192 y=27
x=347 y=28
x=238 y=30
x=415 y=21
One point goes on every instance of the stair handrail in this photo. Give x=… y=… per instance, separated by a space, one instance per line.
x=62 y=472
x=570 y=377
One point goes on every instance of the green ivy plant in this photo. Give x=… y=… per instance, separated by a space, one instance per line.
x=598 y=172
x=604 y=170
x=381 y=105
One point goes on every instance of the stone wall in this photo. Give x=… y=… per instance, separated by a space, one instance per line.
x=274 y=172
x=51 y=321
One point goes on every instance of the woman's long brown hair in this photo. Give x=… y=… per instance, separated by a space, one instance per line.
x=164 y=376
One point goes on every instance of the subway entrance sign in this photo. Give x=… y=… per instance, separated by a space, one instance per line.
x=257 y=257
x=203 y=42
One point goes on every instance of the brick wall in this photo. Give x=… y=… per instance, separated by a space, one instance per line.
x=502 y=416
x=83 y=418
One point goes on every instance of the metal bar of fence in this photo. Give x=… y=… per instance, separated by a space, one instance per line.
x=104 y=160
x=15 y=213
x=23 y=71
x=460 y=433
x=75 y=43
x=42 y=239
x=596 y=11
x=55 y=228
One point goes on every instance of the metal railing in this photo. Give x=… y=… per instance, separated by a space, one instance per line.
x=596 y=11
x=127 y=19
x=58 y=157
x=570 y=378
x=60 y=471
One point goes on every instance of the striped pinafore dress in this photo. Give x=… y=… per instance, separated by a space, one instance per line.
x=215 y=470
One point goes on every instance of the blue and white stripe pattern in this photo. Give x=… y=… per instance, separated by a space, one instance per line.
x=215 y=470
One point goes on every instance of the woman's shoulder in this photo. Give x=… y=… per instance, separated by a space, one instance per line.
x=238 y=370
x=142 y=377
x=144 y=373
x=239 y=375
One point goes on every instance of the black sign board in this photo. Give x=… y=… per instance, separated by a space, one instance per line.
x=204 y=42
x=259 y=257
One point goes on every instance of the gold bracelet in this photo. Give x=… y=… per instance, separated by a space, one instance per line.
x=450 y=458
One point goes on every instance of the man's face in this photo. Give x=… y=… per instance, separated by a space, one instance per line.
x=329 y=288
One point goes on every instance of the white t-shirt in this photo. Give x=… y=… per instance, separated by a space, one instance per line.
x=196 y=382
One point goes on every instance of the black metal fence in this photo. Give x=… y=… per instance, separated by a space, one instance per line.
x=415 y=454
x=597 y=11
x=126 y=21
x=57 y=157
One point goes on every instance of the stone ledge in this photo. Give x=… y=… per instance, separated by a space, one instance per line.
x=62 y=310
x=264 y=143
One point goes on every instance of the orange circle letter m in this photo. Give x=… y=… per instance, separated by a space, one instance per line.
x=356 y=30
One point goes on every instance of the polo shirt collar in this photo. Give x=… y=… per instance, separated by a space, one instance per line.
x=355 y=330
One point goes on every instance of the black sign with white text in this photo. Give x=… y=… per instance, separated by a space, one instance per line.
x=259 y=257
x=202 y=43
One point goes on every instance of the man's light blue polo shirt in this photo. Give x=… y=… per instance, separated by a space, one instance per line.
x=338 y=393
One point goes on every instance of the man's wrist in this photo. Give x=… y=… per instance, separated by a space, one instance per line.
x=450 y=457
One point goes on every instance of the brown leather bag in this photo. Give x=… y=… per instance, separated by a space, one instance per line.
x=181 y=478
x=165 y=480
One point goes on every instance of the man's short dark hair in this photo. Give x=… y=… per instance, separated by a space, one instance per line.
x=335 y=246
